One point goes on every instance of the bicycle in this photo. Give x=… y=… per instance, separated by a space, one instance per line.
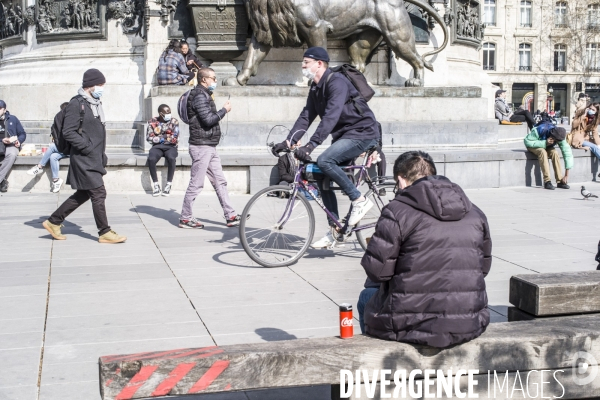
x=281 y=230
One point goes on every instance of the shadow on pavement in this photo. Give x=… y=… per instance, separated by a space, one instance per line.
x=69 y=228
x=274 y=334
x=321 y=392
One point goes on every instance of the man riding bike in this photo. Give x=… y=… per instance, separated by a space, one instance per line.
x=347 y=117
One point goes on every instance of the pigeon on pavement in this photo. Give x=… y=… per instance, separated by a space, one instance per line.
x=586 y=195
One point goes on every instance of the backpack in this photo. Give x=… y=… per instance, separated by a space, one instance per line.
x=357 y=79
x=62 y=145
x=182 y=107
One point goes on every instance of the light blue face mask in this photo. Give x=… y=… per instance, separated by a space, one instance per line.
x=98 y=90
x=591 y=112
x=212 y=86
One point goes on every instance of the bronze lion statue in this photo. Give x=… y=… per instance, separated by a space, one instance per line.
x=363 y=24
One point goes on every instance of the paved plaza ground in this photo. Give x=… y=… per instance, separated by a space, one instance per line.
x=65 y=303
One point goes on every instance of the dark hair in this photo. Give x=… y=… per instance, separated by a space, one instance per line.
x=63 y=105
x=162 y=108
x=203 y=72
x=414 y=165
x=182 y=42
x=174 y=45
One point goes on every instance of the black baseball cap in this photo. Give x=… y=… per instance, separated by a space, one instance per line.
x=499 y=92
x=317 y=53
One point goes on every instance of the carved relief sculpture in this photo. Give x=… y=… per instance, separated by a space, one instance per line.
x=12 y=20
x=67 y=16
x=465 y=19
x=129 y=13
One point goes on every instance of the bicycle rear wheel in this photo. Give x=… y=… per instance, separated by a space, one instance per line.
x=279 y=230
x=370 y=220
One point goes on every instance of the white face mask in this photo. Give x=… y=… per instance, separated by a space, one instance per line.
x=167 y=117
x=98 y=91
x=308 y=74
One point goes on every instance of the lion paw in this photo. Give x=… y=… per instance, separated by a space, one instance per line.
x=413 y=82
x=231 y=81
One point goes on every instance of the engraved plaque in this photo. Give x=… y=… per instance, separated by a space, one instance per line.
x=221 y=26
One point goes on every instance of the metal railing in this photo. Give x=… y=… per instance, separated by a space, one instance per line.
x=524 y=67
x=489 y=67
x=560 y=69
x=525 y=25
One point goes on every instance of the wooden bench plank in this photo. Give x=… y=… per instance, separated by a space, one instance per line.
x=556 y=294
x=540 y=344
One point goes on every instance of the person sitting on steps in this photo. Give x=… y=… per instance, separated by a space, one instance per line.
x=503 y=112
x=163 y=135
x=542 y=144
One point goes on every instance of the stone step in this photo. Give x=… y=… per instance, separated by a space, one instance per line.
x=30 y=125
x=127 y=138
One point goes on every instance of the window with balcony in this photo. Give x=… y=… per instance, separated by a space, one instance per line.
x=594 y=16
x=489 y=56
x=524 y=57
x=560 y=57
x=489 y=12
x=592 y=57
x=560 y=15
x=525 y=13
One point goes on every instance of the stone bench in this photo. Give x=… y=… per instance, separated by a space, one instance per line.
x=550 y=344
x=552 y=294
x=250 y=171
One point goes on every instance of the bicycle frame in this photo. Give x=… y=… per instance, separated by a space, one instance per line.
x=363 y=176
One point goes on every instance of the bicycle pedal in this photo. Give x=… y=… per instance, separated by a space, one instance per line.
x=335 y=244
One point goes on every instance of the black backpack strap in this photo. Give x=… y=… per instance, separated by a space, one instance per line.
x=81 y=101
x=354 y=99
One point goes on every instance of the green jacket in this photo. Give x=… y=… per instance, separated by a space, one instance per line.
x=533 y=140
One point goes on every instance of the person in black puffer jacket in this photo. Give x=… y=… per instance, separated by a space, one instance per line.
x=205 y=134
x=426 y=262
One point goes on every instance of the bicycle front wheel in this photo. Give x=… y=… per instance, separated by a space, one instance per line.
x=366 y=226
x=276 y=231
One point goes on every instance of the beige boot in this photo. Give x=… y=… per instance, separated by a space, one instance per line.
x=54 y=230
x=112 y=237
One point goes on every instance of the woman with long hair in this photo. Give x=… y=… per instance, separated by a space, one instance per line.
x=171 y=66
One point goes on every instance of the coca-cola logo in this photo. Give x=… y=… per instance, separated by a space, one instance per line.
x=347 y=322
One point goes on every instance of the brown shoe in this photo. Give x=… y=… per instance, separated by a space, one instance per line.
x=54 y=230
x=112 y=237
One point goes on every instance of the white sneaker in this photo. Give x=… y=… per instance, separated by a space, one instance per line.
x=156 y=190
x=167 y=190
x=327 y=242
x=35 y=170
x=359 y=210
x=56 y=185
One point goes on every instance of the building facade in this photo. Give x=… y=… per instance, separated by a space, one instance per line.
x=543 y=52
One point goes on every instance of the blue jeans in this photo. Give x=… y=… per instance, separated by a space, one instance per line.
x=53 y=156
x=593 y=148
x=339 y=153
x=363 y=299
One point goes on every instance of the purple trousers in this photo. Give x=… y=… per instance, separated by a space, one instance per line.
x=206 y=161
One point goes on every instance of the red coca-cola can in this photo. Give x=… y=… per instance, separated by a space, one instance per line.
x=346 y=325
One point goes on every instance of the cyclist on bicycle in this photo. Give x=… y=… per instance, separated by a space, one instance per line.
x=347 y=117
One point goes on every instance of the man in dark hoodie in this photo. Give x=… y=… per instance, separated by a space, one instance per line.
x=426 y=262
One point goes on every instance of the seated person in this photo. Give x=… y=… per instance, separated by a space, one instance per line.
x=54 y=156
x=582 y=102
x=13 y=136
x=503 y=112
x=584 y=129
x=172 y=69
x=163 y=135
x=542 y=145
x=426 y=262
x=191 y=61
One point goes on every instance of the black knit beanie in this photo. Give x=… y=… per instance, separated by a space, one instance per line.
x=559 y=133
x=92 y=77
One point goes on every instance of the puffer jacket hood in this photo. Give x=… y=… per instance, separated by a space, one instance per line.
x=438 y=197
x=430 y=253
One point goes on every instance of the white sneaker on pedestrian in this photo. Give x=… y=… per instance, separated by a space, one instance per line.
x=156 y=190
x=327 y=242
x=56 y=185
x=167 y=190
x=359 y=209
x=35 y=170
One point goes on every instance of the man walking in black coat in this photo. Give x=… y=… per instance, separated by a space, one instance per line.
x=88 y=159
x=426 y=262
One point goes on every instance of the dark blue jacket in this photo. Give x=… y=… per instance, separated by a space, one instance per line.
x=13 y=127
x=332 y=101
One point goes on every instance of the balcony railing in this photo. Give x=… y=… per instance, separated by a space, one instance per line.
x=525 y=24
x=560 y=69
x=489 y=67
x=561 y=25
x=593 y=69
x=524 y=67
x=593 y=26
